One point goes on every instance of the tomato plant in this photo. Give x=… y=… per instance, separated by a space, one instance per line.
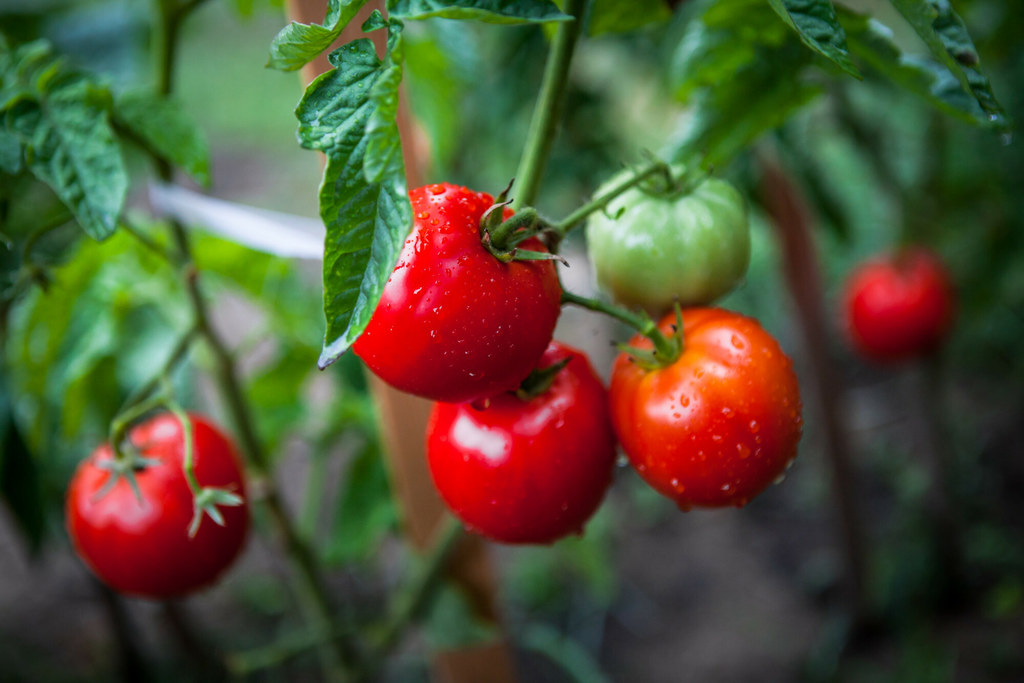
x=454 y=322
x=898 y=305
x=139 y=543
x=527 y=470
x=650 y=250
x=718 y=424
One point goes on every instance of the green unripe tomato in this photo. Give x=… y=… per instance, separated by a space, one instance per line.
x=692 y=248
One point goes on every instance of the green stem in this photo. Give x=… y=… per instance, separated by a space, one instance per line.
x=667 y=351
x=410 y=602
x=548 y=108
x=310 y=588
x=600 y=202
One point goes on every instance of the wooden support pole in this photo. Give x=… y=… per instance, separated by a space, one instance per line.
x=803 y=277
x=403 y=420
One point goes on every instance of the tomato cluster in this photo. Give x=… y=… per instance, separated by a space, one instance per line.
x=712 y=425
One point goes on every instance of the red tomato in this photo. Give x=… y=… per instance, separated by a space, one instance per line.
x=899 y=305
x=455 y=323
x=718 y=425
x=144 y=548
x=527 y=471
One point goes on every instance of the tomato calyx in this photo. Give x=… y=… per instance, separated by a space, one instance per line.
x=205 y=502
x=124 y=467
x=502 y=236
x=540 y=380
x=667 y=349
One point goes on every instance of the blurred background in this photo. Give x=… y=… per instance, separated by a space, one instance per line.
x=648 y=593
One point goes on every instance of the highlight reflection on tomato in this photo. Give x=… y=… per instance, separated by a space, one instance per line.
x=526 y=471
x=143 y=548
x=718 y=425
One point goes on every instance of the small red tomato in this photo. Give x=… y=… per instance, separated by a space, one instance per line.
x=527 y=471
x=143 y=548
x=898 y=306
x=718 y=425
x=455 y=323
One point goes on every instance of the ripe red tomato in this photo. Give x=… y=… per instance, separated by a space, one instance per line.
x=527 y=471
x=898 y=306
x=144 y=549
x=718 y=425
x=455 y=323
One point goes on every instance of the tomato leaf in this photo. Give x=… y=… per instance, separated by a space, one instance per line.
x=623 y=16
x=10 y=152
x=872 y=43
x=367 y=220
x=816 y=23
x=945 y=34
x=162 y=125
x=298 y=44
x=490 y=11
x=61 y=120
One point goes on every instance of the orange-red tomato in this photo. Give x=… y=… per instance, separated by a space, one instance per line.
x=718 y=425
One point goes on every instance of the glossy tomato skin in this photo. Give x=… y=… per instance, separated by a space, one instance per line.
x=455 y=323
x=650 y=252
x=718 y=425
x=526 y=471
x=899 y=306
x=143 y=549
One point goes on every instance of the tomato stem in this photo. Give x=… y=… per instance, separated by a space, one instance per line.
x=410 y=602
x=598 y=203
x=666 y=349
x=548 y=109
x=312 y=593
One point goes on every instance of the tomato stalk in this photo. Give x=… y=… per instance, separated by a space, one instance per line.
x=312 y=592
x=548 y=109
x=666 y=349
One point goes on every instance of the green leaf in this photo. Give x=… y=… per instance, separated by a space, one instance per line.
x=450 y=623
x=367 y=221
x=872 y=43
x=62 y=120
x=384 y=145
x=298 y=44
x=10 y=152
x=731 y=117
x=816 y=23
x=623 y=16
x=490 y=11
x=162 y=125
x=945 y=34
x=365 y=512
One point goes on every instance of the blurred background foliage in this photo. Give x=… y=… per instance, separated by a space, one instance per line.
x=878 y=167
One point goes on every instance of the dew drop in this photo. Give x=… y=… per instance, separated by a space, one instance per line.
x=779 y=479
x=737 y=342
x=726 y=488
x=743 y=450
x=754 y=427
x=685 y=401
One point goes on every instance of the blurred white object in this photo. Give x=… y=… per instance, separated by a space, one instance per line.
x=272 y=232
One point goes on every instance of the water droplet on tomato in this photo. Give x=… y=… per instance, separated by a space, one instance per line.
x=685 y=401
x=754 y=427
x=684 y=506
x=743 y=450
x=436 y=189
x=737 y=342
x=726 y=488
x=779 y=479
